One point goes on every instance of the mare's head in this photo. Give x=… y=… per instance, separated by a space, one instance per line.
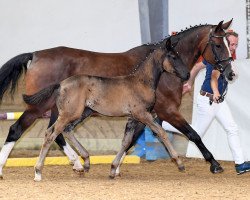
x=173 y=62
x=216 y=50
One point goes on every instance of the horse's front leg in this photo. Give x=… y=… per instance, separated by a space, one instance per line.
x=147 y=119
x=177 y=121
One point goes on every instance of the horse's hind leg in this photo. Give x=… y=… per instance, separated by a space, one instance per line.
x=147 y=119
x=15 y=132
x=71 y=154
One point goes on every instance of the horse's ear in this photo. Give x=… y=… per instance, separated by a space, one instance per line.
x=227 y=24
x=218 y=27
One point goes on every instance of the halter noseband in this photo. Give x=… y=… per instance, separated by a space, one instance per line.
x=218 y=62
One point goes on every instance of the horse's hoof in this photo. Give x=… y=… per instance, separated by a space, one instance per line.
x=216 y=169
x=1 y=177
x=118 y=175
x=181 y=168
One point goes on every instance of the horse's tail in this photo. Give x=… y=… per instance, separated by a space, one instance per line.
x=11 y=71
x=41 y=96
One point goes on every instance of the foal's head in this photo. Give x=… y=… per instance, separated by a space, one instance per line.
x=216 y=50
x=173 y=63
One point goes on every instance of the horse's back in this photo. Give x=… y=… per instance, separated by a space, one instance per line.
x=53 y=65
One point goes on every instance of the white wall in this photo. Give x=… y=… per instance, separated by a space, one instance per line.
x=182 y=14
x=105 y=26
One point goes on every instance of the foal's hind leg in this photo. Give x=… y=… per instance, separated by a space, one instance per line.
x=133 y=128
x=71 y=154
x=147 y=119
x=15 y=132
x=50 y=136
x=84 y=153
x=126 y=141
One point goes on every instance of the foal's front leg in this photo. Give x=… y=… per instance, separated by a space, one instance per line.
x=147 y=119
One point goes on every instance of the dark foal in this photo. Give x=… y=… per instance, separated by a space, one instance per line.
x=132 y=95
x=54 y=65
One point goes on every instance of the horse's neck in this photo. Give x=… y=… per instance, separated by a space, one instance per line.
x=151 y=69
x=190 y=46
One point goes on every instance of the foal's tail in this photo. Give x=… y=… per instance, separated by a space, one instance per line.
x=41 y=96
x=11 y=71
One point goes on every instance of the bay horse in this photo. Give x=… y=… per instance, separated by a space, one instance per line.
x=51 y=66
x=132 y=95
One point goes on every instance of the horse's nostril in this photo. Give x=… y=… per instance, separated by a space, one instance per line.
x=188 y=76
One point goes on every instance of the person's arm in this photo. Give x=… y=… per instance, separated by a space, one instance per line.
x=214 y=85
x=187 y=87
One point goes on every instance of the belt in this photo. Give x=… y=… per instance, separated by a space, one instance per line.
x=204 y=93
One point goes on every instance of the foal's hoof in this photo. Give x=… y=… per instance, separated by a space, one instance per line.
x=1 y=177
x=118 y=175
x=79 y=171
x=86 y=169
x=111 y=176
x=216 y=169
x=181 y=168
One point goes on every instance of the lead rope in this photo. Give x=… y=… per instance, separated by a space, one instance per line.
x=222 y=97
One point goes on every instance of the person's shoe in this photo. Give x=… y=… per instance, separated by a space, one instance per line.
x=242 y=168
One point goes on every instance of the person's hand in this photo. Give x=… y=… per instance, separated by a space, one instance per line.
x=216 y=97
x=186 y=88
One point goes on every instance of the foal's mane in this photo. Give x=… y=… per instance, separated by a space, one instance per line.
x=144 y=60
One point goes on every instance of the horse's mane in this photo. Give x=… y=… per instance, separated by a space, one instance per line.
x=176 y=36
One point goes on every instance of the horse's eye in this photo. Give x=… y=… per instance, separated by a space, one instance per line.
x=218 y=45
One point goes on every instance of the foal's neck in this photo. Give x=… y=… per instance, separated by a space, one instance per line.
x=150 y=70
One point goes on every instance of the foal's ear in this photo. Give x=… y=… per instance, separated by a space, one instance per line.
x=168 y=44
x=219 y=27
x=227 y=24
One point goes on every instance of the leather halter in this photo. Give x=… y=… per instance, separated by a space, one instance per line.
x=218 y=62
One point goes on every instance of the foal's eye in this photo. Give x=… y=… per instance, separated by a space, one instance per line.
x=172 y=56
